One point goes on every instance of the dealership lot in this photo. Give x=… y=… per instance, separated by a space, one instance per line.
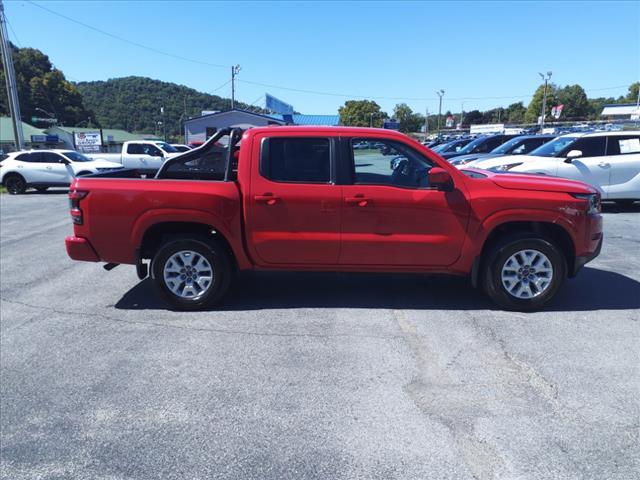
x=311 y=375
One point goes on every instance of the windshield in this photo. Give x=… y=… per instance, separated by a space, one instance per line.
x=554 y=147
x=509 y=146
x=471 y=147
x=166 y=147
x=76 y=157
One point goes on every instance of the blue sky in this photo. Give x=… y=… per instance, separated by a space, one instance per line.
x=404 y=50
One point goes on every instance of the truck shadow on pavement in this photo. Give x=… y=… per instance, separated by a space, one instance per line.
x=592 y=289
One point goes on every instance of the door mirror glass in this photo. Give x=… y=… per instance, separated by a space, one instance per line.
x=440 y=178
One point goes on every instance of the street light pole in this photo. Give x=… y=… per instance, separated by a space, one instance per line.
x=544 y=99
x=461 y=114
x=440 y=94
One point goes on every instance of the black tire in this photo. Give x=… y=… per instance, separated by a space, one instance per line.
x=498 y=256
x=15 y=184
x=41 y=189
x=212 y=252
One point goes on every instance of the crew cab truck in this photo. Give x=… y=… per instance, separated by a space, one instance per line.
x=146 y=156
x=306 y=198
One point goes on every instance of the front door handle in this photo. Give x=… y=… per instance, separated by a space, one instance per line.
x=358 y=200
x=267 y=198
x=604 y=165
x=48 y=168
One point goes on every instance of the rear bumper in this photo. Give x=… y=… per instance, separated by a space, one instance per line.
x=79 y=248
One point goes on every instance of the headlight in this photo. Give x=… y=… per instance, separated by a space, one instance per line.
x=593 y=202
x=508 y=166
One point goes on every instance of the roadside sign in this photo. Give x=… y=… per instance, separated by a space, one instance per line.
x=489 y=128
x=43 y=120
x=391 y=124
x=87 y=141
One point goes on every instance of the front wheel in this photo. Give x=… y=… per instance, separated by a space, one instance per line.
x=191 y=274
x=524 y=272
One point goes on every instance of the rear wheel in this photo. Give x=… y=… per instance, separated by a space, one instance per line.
x=191 y=274
x=524 y=272
x=15 y=184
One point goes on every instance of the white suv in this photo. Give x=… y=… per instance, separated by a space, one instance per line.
x=610 y=161
x=42 y=169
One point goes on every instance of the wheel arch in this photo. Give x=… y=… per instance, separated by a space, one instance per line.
x=551 y=231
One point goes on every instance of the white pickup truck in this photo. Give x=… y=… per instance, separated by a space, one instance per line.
x=147 y=156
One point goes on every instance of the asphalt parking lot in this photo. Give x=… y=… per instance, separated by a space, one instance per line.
x=323 y=376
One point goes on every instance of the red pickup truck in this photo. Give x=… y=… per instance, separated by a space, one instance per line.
x=333 y=199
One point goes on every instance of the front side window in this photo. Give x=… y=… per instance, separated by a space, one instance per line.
x=48 y=157
x=167 y=147
x=590 y=146
x=301 y=160
x=389 y=163
x=151 y=150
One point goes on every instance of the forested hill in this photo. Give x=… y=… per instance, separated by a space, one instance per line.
x=133 y=103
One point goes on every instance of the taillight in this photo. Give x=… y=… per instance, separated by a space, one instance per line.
x=74 y=205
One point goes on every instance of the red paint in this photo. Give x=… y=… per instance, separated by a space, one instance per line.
x=272 y=225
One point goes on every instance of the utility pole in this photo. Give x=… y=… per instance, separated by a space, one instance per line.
x=544 y=99
x=440 y=94
x=164 y=124
x=461 y=114
x=426 y=124
x=234 y=71
x=10 y=77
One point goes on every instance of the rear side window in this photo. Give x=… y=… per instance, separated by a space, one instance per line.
x=300 y=160
x=621 y=145
x=27 y=157
x=134 y=149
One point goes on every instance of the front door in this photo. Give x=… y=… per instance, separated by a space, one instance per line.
x=592 y=167
x=54 y=168
x=391 y=216
x=293 y=209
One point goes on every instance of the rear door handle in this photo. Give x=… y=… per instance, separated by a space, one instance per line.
x=48 y=168
x=358 y=200
x=267 y=198
x=604 y=165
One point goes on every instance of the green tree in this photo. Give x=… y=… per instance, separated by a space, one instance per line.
x=515 y=113
x=535 y=106
x=361 y=113
x=597 y=104
x=42 y=87
x=409 y=121
x=632 y=95
x=576 y=104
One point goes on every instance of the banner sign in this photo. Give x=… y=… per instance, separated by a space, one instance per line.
x=87 y=141
x=556 y=111
x=488 y=128
x=449 y=122
x=276 y=105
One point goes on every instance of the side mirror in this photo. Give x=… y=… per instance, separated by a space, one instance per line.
x=441 y=179
x=572 y=155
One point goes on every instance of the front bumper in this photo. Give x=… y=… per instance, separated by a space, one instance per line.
x=79 y=248
x=583 y=260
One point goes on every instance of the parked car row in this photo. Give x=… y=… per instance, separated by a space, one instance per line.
x=607 y=160
x=41 y=169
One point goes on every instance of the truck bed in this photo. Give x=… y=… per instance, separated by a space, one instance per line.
x=120 y=206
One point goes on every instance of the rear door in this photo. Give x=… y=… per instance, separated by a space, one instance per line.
x=293 y=206
x=623 y=154
x=391 y=216
x=592 y=167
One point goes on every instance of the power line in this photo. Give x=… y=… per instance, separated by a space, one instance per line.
x=14 y=33
x=299 y=90
x=131 y=42
x=223 y=85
